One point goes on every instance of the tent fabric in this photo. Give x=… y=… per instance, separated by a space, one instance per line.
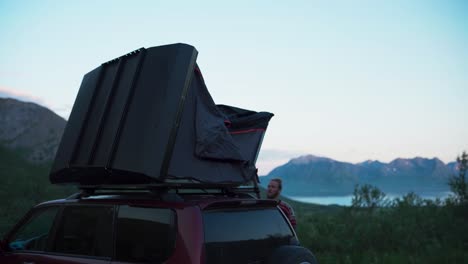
x=215 y=124
x=213 y=139
x=242 y=119
x=213 y=154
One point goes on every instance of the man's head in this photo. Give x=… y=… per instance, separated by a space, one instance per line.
x=274 y=188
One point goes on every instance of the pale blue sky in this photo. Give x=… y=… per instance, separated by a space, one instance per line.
x=351 y=80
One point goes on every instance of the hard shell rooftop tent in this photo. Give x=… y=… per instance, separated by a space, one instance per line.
x=147 y=117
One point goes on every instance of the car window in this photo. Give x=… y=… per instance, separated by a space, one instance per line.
x=85 y=230
x=34 y=234
x=144 y=234
x=244 y=235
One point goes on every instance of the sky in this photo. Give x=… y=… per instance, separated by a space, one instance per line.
x=349 y=80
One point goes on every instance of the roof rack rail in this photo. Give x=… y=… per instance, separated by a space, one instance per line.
x=161 y=188
x=163 y=196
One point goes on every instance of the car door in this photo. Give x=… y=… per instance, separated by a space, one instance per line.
x=72 y=234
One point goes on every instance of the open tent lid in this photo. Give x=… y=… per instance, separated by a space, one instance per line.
x=147 y=117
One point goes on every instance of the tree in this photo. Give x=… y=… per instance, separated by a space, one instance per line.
x=368 y=196
x=457 y=183
x=410 y=199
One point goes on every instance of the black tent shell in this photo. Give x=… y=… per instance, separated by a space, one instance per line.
x=147 y=117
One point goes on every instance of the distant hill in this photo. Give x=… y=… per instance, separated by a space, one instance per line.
x=314 y=176
x=30 y=129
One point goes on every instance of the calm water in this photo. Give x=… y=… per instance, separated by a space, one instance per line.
x=346 y=200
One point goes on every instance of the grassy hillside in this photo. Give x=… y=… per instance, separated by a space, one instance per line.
x=413 y=234
x=410 y=231
x=23 y=185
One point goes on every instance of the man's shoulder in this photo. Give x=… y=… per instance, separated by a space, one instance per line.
x=286 y=205
x=281 y=202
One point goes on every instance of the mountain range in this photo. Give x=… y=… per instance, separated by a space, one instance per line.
x=34 y=132
x=311 y=175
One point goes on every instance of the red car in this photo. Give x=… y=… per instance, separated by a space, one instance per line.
x=154 y=227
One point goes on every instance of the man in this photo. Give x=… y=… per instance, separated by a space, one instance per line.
x=273 y=192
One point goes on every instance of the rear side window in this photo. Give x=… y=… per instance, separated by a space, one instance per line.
x=244 y=236
x=85 y=230
x=34 y=235
x=144 y=234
